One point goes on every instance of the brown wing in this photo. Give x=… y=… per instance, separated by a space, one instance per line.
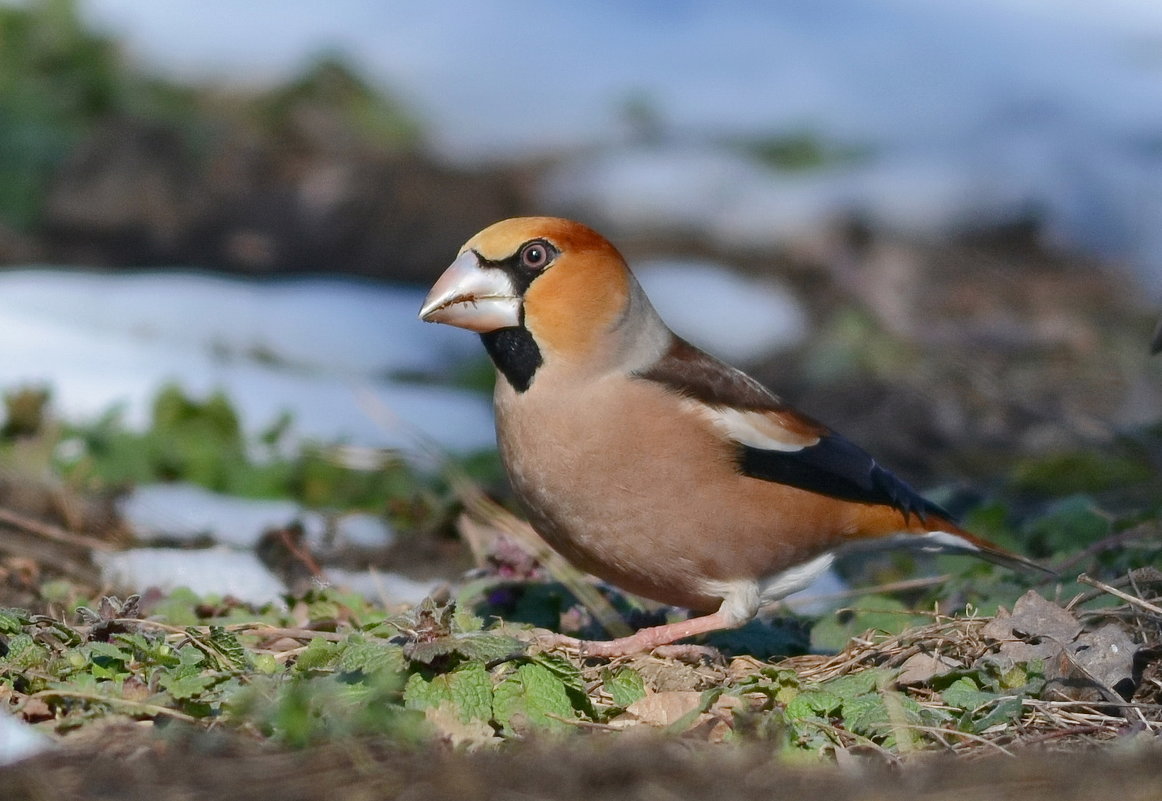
x=823 y=461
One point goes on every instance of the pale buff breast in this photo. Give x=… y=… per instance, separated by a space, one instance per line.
x=632 y=485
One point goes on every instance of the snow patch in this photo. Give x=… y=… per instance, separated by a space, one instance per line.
x=319 y=350
x=184 y=511
x=730 y=315
x=214 y=571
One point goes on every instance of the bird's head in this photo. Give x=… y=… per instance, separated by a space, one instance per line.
x=557 y=279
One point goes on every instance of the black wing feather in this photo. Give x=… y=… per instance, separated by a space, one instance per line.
x=834 y=466
x=840 y=469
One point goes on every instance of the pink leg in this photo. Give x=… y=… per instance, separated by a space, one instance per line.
x=646 y=639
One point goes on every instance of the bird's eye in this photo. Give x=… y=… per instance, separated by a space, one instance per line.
x=536 y=255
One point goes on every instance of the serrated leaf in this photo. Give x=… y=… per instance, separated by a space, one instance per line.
x=233 y=653
x=191 y=656
x=885 y=716
x=531 y=697
x=486 y=647
x=154 y=649
x=184 y=687
x=858 y=683
x=481 y=646
x=468 y=690
x=24 y=653
x=624 y=685
x=421 y=693
x=866 y=714
x=1006 y=710
x=813 y=703
x=13 y=621
x=319 y=654
x=464 y=620
x=965 y=694
x=371 y=657
x=221 y=647
x=471 y=689
x=109 y=651
x=570 y=675
x=563 y=668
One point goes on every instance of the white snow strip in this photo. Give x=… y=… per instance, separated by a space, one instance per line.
x=385 y=588
x=211 y=572
x=185 y=511
x=318 y=350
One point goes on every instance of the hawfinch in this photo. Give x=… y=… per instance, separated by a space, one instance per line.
x=649 y=463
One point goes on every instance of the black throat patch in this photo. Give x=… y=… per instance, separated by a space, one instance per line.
x=515 y=354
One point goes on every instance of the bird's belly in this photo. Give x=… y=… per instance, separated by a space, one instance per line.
x=615 y=502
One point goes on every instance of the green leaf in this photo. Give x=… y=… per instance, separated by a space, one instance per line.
x=233 y=654
x=24 y=653
x=481 y=646
x=866 y=714
x=1007 y=709
x=813 y=703
x=371 y=657
x=965 y=694
x=532 y=697
x=470 y=687
x=319 y=654
x=184 y=687
x=624 y=685
x=221 y=647
x=109 y=652
x=421 y=693
x=570 y=675
x=858 y=683
x=13 y=621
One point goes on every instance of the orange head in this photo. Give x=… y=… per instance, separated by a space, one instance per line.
x=559 y=280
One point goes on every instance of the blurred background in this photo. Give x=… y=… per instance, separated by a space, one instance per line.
x=937 y=227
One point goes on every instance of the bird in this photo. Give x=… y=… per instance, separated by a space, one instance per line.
x=651 y=464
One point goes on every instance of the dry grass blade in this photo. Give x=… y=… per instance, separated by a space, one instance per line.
x=1125 y=596
x=51 y=532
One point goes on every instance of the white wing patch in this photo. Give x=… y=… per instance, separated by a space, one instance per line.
x=754 y=428
x=943 y=540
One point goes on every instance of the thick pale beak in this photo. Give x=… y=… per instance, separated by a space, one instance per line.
x=472 y=296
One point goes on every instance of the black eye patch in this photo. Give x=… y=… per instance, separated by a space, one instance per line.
x=529 y=261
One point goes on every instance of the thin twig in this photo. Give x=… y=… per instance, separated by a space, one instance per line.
x=976 y=738
x=259 y=628
x=1125 y=596
x=152 y=709
x=51 y=532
